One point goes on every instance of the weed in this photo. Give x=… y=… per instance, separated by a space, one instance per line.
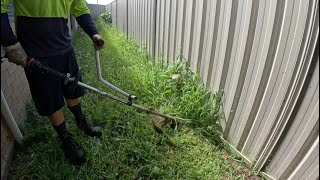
x=106 y=17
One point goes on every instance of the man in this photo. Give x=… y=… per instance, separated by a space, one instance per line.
x=42 y=33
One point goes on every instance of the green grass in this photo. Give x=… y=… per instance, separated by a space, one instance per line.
x=130 y=148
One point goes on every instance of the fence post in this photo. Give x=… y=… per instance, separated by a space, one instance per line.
x=155 y=28
x=116 y=13
x=127 y=20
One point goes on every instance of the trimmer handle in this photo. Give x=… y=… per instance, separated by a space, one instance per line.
x=35 y=66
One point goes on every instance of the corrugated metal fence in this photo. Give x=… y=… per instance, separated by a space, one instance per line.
x=263 y=54
x=96 y=9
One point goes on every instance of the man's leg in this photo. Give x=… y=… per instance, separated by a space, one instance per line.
x=81 y=120
x=72 y=94
x=48 y=95
x=71 y=149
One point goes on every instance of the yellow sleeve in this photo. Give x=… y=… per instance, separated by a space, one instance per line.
x=5 y=5
x=78 y=8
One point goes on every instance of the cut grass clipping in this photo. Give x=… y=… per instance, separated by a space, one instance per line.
x=130 y=148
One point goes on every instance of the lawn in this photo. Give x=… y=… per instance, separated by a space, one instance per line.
x=130 y=148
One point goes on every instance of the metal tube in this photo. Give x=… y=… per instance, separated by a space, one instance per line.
x=102 y=92
x=8 y=117
x=151 y=111
x=148 y=110
x=107 y=83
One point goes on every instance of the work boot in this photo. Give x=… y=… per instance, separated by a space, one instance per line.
x=72 y=151
x=88 y=128
x=82 y=122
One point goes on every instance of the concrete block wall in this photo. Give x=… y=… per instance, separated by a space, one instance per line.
x=16 y=90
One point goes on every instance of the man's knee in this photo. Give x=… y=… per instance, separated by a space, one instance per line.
x=72 y=102
x=56 y=118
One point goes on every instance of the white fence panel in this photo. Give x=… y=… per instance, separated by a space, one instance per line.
x=264 y=56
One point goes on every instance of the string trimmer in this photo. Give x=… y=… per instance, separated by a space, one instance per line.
x=158 y=119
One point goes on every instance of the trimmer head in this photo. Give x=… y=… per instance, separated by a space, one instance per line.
x=158 y=122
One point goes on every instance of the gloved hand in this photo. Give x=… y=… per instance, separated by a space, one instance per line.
x=98 y=42
x=16 y=54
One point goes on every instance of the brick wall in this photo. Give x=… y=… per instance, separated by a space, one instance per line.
x=16 y=91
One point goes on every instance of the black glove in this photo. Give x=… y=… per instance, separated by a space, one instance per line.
x=98 y=42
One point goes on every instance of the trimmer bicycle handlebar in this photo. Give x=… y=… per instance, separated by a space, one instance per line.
x=129 y=96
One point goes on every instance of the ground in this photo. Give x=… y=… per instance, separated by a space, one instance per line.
x=130 y=148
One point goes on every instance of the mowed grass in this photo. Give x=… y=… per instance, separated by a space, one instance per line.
x=130 y=148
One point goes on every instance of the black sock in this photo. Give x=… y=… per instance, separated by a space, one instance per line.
x=77 y=112
x=61 y=130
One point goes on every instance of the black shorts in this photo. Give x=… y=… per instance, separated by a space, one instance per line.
x=48 y=91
